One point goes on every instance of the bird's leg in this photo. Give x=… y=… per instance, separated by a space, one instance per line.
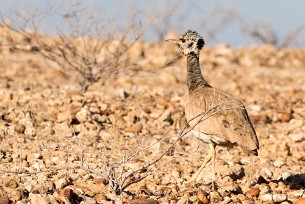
x=213 y=165
x=206 y=160
x=212 y=152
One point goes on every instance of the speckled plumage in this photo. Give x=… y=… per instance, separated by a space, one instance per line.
x=226 y=118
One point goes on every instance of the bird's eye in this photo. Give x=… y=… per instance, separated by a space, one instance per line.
x=183 y=40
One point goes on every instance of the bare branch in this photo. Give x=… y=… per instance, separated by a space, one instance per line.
x=265 y=33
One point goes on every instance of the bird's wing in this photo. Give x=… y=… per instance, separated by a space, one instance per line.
x=216 y=112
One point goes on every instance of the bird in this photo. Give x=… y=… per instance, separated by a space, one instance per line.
x=214 y=116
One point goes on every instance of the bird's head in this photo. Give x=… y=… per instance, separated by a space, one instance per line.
x=188 y=43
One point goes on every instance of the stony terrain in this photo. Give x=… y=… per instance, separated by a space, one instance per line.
x=58 y=145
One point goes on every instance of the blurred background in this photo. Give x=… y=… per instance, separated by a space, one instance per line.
x=238 y=23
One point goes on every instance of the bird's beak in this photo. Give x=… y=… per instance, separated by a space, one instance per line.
x=174 y=41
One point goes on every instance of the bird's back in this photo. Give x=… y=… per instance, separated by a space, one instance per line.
x=216 y=113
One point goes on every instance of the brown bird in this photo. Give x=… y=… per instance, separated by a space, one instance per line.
x=216 y=117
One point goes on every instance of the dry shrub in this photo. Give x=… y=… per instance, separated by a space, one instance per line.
x=90 y=51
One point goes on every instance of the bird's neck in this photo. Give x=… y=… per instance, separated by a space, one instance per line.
x=194 y=75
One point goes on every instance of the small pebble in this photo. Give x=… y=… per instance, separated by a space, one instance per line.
x=61 y=183
x=279 y=197
x=279 y=162
x=10 y=183
x=4 y=200
x=30 y=130
x=202 y=197
x=36 y=198
x=215 y=197
x=100 y=197
x=284 y=175
x=245 y=160
x=15 y=156
x=267 y=172
x=20 y=128
x=285 y=116
x=296 y=193
x=298 y=137
x=300 y=201
x=253 y=192
x=37 y=155
x=226 y=200
x=274 y=198
x=294 y=124
x=264 y=189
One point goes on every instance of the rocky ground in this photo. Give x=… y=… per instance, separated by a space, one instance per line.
x=58 y=145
